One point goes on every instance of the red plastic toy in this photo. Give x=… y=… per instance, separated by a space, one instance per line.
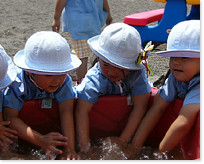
x=108 y=118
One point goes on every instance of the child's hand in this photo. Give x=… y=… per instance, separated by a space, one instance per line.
x=56 y=25
x=109 y=20
x=69 y=155
x=6 y=134
x=85 y=148
x=50 y=141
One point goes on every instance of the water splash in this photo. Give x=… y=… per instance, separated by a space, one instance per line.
x=16 y=152
x=110 y=148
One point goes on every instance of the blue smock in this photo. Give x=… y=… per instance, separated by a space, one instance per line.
x=95 y=84
x=173 y=89
x=83 y=18
x=24 y=89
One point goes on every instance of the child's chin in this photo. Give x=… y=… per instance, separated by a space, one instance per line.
x=179 y=78
x=113 y=79
x=52 y=90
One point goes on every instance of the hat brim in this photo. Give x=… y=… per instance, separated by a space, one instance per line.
x=19 y=60
x=105 y=55
x=179 y=53
x=10 y=76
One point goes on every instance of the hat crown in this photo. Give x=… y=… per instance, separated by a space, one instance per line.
x=122 y=42
x=3 y=64
x=185 y=36
x=47 y=49
x=8 y=72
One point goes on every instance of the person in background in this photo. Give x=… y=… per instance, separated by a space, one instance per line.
x=42 y=73
x=183 y=48
x=7 y=76
x=82 y=19
x=117 y=72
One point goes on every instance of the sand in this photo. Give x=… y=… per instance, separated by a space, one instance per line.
x=19 y=19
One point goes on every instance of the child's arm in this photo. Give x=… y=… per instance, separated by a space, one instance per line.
x=107 y=9
x=150 y=120
x=6 y=134
x=180 y=127
x=140 y=103
x=47 y=142
x=82 y=124
x=60 y=4
x=67 y=126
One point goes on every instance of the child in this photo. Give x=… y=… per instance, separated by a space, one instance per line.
x=7 y=76
x=118 y=48
x=83 y=19
x=183 y=48
x=42 y=73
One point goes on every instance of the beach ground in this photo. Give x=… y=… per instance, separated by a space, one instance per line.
x=22 y=18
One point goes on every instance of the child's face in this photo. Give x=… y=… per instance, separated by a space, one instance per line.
x=49 y=83
x=184 y=69
x=111 y=72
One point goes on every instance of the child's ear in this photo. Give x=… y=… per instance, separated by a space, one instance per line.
x=27 y=73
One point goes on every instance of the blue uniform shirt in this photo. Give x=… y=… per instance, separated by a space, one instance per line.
x=24 y=89
x=173 y=89
x=95 y=84
x=83 y=18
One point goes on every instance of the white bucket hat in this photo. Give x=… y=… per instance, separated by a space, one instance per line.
x=120 y=45
x=183 y=40
x=47 y=53
x=7 y=69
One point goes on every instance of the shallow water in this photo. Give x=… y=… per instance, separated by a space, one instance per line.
x=111 y=148
x=108 y=148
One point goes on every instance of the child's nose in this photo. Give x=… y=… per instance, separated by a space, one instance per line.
x=56 y=79
x=110 y=73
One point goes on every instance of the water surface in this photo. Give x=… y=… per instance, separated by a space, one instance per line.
x=109 y=148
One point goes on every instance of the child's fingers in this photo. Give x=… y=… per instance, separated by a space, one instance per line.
x=7 y=132
x=57 y=136
x=11 y=131
x=5 y=123
x=6 y=140
x=54 y=134
x=50 y=155
x=11 y=135
x=72 y=157
x=59 y=143
x=53 y=149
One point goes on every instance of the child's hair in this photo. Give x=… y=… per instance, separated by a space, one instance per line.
x=47 y=53
x=119 y=45
x=7 y=69
x=183 y=40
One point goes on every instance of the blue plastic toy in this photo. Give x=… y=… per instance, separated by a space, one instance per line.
x=175 y=11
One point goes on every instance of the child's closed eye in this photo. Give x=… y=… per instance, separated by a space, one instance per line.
x=185 y=58
x=105 y=64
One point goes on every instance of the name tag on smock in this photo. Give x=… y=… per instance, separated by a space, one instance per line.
x=46 y=103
